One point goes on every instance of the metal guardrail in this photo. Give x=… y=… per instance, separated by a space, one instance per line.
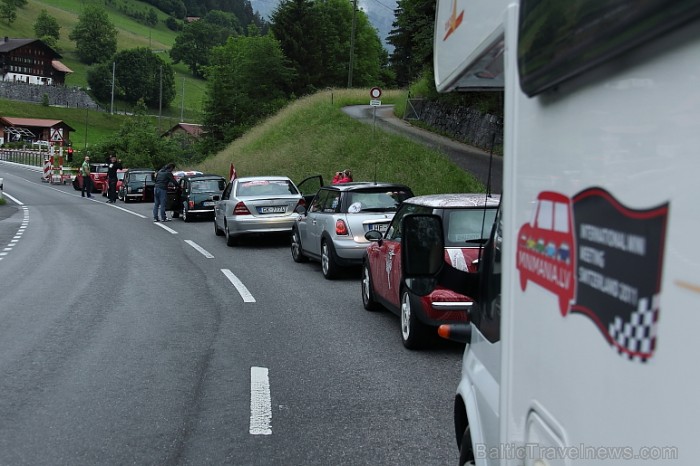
x=25 y=157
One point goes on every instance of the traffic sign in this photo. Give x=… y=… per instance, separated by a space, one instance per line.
x=56 y=134
x=375 y=93
x=375 y=102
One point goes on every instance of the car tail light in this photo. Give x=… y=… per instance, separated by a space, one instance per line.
x=241 y=209
x=190 y=204
x=341 y=228
x=302 y=203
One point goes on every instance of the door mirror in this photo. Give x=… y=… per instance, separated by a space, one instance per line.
x=422 y=251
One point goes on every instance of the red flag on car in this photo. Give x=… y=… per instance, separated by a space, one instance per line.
x=231 y=173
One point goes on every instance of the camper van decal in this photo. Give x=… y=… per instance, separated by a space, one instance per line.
x=453 y=21
x=602 y=260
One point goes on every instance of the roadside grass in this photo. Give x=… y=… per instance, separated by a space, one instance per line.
x=313 y=136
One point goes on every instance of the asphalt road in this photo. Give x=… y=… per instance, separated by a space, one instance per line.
x=128 y=342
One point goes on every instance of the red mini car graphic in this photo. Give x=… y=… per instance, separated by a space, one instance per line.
x=545 y=252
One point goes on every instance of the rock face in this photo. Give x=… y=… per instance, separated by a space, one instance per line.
x=464 y=124
x=56 y=95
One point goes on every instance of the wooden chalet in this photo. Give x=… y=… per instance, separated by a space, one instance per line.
x=188 y=129
x=31 y=61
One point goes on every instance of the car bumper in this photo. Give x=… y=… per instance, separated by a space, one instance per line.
x=348 y=251
x=241 y=225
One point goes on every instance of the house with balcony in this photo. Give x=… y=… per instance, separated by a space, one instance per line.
x=31 y=61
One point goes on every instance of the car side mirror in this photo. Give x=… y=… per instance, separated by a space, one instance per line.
x=374 y=235
x=422 y=251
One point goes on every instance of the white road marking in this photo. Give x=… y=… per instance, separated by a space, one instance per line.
x=199 y=248
x=242 y=290
x=15 y=200
x=260 y=403
x=160 y=224
x=20 y=231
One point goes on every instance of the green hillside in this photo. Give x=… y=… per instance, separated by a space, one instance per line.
x=313 y=136
x=189 y=90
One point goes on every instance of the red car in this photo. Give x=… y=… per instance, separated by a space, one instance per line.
x=98 y=173
x=467 y=222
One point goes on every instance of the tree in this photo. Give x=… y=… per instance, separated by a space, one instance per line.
x=46 y=28
x=194 y=44
x=95 y=36
x=316 y=37
x=248 y=80
x=138 y=75
x=8 y=11
x=412 y=38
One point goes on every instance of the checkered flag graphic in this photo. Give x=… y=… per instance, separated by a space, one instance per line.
x=636 y=338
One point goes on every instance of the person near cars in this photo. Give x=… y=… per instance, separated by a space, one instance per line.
x=87 y=181
x=114 y=165
x=342 y=177
x=164 y=178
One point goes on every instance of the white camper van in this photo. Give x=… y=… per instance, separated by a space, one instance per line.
x=581 y=349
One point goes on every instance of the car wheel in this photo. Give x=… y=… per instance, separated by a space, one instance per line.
x=185 y=215
x=328 y=266
x=217 y=231
x=297 y=253
x=230 y=239
x=466 y=450
x=368 y=289
x=414 y=333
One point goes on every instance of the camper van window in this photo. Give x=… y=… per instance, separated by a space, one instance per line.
x=559 y=40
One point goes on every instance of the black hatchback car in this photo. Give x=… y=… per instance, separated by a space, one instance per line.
x=196 y=196
x=137 y=185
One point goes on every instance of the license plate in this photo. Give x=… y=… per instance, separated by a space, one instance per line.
x=272 y=210
x=208 y=203
x=382 y=227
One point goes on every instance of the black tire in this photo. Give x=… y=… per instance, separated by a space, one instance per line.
x=230 y=239
x=414 y=333
x=185 y=215
x=466 y=449
x=217 y=231
x=297 y=253
x=368 y=289
x=329 y=267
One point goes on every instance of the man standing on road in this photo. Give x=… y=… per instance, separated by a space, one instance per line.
x=87 y=181
x=112 y=168
x=164 y=177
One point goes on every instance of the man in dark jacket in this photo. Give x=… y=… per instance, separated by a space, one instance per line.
x=112 y=168
x=164 y=177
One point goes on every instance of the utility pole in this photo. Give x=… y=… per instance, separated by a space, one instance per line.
x=352 y=43
x=160 y=98
x=111 y=108
x=182 y=104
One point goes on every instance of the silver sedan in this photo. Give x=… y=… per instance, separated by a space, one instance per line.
x=260 y=204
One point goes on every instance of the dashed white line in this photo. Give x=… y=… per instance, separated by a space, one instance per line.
x=160 y=224
x=260 y=402
x=199 y=248
x=20 y=231
x=242 y=290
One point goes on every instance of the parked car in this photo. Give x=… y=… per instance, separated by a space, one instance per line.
x=195 y=196
x=137 y=185
x=259 y=204
x=98 y=173
x=332 y=229
x=467 y=221
x=120 y=179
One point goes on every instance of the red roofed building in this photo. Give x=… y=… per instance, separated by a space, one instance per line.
x=186 y=129
x=34 y=129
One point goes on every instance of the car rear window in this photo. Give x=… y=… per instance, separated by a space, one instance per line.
x=207 y=186
x=266 y=188
x=468 y=226
x=140 y=176
x=376 y=200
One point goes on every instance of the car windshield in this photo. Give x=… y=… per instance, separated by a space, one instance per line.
x=465 y=226
x=120 y=175
x=208 y=186
x=376 y=201
x=266 y=188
